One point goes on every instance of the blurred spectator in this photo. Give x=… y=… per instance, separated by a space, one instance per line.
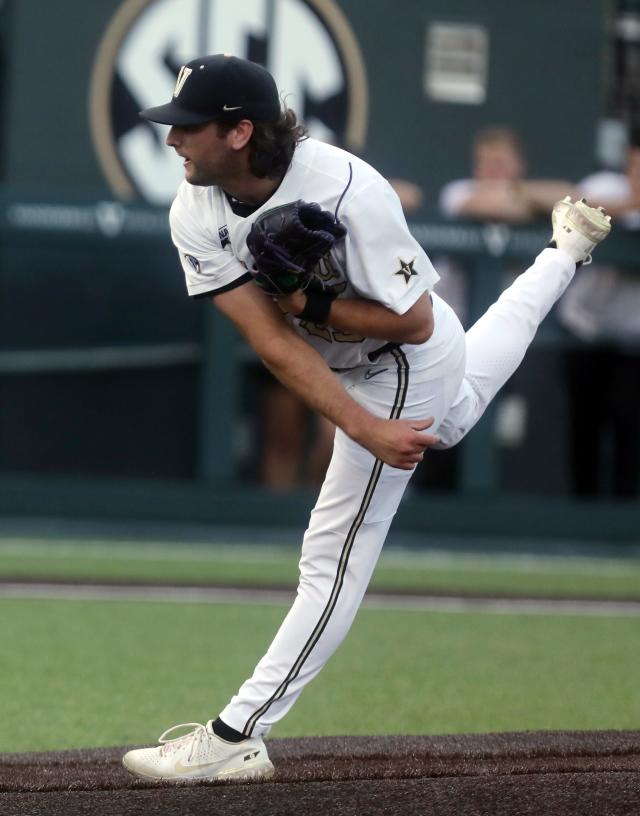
x=410 y=194
x=498 y=190
x=601 y=309
x=297 y=444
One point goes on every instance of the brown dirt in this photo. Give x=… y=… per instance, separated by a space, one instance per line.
x=520 y=774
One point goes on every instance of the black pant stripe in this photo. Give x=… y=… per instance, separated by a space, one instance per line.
x=401 y=393
x=403 y=379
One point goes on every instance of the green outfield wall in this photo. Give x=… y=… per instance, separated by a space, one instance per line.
x=121 y=398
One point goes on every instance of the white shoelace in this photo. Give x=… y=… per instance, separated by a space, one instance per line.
x=198 y=735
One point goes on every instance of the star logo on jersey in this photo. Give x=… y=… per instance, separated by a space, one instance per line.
x=406 y=269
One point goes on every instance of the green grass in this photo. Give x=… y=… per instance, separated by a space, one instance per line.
x=77 y=673
x=244 y=564
x=80 y=673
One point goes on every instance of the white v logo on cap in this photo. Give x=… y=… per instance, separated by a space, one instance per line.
x=182 y=78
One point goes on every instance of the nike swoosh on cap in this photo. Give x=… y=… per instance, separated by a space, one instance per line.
x=227 y=108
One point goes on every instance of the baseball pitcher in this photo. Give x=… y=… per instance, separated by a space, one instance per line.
x=306 y=249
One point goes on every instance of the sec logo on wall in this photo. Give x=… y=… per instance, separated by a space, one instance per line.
x=308 y=45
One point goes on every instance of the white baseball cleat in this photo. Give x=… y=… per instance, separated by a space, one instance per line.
x=579 y=228
x=199 y=756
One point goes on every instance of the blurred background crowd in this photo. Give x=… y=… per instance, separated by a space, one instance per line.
x=480 y=118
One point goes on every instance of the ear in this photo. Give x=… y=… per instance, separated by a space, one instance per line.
x=239 y=135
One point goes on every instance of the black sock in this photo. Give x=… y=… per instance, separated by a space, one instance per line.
x=225 y=732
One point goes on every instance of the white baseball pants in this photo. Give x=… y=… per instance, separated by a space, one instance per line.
x=453 y=378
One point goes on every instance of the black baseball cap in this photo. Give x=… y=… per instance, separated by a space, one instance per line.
x=219 y=87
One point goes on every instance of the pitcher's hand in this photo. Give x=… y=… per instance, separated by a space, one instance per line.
x=400 y=443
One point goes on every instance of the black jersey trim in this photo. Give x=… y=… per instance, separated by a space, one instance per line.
x=401 y=394
x=240 y=208
x=233 y=285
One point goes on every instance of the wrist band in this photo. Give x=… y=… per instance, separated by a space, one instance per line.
x=317 y=307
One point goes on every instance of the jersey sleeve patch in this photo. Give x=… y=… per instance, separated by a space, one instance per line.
x=204 y=251
x=195 y=263
x=406 y=269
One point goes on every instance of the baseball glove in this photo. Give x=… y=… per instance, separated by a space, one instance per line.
x=287 y=243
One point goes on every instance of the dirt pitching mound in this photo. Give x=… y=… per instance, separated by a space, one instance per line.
x=518 y=774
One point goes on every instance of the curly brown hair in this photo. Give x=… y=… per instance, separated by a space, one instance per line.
x=272 y=144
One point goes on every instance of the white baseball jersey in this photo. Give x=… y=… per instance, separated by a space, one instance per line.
x=378 y=260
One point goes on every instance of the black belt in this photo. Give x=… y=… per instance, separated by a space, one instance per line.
x=374 y=355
